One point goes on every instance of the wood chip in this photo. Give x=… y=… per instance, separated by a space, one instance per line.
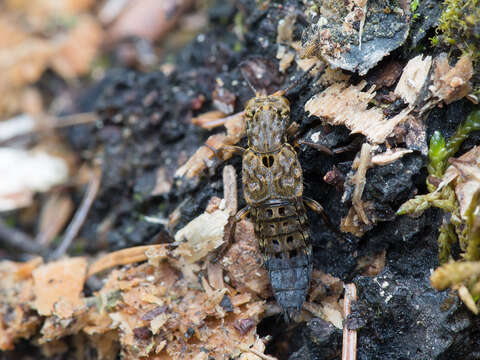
x=359 y=181
x=202 y=235
x=452 y=83
x=389 y=156
x=215 y=276
x=349 y=348
x=413 y=79
x=341 y=104
x=60 y=280
x=230 y=189
x=163 y=182
x=55 y=214
x=285 y=58
x=235 y=126
x=242 y=262
x=210 y=120
x=149 y=19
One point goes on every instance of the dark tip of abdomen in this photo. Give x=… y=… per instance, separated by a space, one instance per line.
x=290 y=282
x=290 y=314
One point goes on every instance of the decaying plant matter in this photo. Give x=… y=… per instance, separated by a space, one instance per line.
x=456 y=191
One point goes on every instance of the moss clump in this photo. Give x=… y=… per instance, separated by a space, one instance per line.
x=439 y=152
x=462 y=276
x=458 y=26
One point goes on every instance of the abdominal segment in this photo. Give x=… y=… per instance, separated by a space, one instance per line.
x=282 y=231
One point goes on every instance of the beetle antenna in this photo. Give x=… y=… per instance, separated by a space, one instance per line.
x=295 y=83
x=250 y=85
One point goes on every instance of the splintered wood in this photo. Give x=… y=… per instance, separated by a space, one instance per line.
x=413 y=79
x=357 y=221
x=349 y=349
x=152 y=310
x=165 y=308
x=341 y=104
x=242 y=262
x=235 y=126
x=452 y=83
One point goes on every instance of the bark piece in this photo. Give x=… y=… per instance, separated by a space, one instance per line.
x=353 y=35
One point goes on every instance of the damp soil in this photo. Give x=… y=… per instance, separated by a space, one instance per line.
x=145 y=124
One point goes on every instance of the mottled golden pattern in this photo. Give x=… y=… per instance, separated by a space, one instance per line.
x=275 y=175
x=273 y=187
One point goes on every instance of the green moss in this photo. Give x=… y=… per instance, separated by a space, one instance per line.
x=446 y=239
x=473 y=229
x=413 y=8
x=439 y=151
x=457 y=26
x=436 y=154
x=468 y=235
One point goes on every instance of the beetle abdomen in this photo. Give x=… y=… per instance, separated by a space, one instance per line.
x=282 y=230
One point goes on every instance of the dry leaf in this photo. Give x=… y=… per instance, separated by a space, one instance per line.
x=467 y=185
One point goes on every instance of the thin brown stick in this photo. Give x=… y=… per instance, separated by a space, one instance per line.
x=81 y=214
x=74 y=119
x=123 y=257
x=18 y=240
x=349 y=349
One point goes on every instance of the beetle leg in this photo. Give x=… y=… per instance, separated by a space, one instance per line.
x=315 y=206
x=353 y=145
x=318 y=147
x=292 y=129
x=231 y=148
x=230 y=229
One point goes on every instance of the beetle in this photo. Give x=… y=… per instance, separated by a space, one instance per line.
x=272 y=182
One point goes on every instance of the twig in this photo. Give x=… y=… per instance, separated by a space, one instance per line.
x=19 y=240
x=47 y=123
x=74 y=119
x=349 y=349
x=81 y=214
x=124 y=257
x=359 y=181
